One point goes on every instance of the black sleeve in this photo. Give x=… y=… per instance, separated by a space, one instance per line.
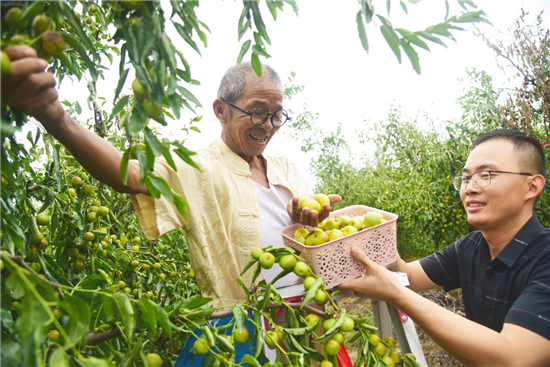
x=532 y=308
x=442 y=267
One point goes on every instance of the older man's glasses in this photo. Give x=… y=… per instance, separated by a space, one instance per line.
x=479 y=179
x=259 y=115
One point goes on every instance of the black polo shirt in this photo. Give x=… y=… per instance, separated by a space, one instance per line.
x=513 y=288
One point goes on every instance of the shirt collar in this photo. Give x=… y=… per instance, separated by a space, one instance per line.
x=234 y=161
x=521 y=240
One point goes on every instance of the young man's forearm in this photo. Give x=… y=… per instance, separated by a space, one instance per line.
x=471 y=343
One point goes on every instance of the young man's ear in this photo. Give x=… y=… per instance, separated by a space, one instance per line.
x=221 y=110
x=536 y=185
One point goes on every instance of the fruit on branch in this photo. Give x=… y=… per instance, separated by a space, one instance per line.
x=139 y=89
x=256 y=252
x=42 y=219
x=5 y=63
x=14 y=19
x=301 y=269
x=241 y=335
x=53 y=43
x=41 y=24
x=267 y=260
x=288 y=262
x=201 y=346
x=154 y=111
x=332 y=347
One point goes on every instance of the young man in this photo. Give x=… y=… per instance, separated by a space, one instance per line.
x=503 y=269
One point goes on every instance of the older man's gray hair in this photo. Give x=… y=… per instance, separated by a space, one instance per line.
x=233 y=81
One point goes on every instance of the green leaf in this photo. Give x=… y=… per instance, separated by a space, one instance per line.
x=148 y=314
x=79 y=314
x=157 y=184
x=126 y=312
x=244 y=50
x=260 y=26
x=189 y=96
x=413 y=56
x=124 y=166
x=118 y=89
x=249 y=360
x=259 y=342
x=67 y=62
x=362 y=32
x=185 y=154
x=137 y=120
x=368 y=10
x=164 y=321
x=260 y=51
x=256 y=64
x=392 y=40
x=76 y=44
x=33 y=10
x=58 y=359
x=413 y=38
x=195 y=302
x=153 y=142
x=333 y=328
x=404 y=7
x=168 y=52
x=265 y=299
x=94 y=362
x=431 y=37
x=250 y=262
x=183 y=33
x=239 y=313
x=311 y=292
x=296 y=344
x=246 y=291
x=174 y=101
x=168 y=156
x=120 y=104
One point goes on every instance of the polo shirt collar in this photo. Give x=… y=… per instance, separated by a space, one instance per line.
x=521 y=240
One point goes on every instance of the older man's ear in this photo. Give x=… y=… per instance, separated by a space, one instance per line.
x=221 y=110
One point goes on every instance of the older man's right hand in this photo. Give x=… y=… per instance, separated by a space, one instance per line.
x=29 y=88
x=310 y=217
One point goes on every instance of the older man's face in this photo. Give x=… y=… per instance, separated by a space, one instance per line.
x=241 y=136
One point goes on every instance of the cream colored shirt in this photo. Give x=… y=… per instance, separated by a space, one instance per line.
x=224 y=223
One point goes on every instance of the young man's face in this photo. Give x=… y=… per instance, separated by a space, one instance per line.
x=503 y=202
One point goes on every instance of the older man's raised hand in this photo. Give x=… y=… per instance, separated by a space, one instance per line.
x=29 y=88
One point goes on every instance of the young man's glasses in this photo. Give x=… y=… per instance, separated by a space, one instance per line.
x=479 y=179
x=259 y=115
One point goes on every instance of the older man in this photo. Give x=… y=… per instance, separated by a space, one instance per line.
x=503 y=269
x=238 y=200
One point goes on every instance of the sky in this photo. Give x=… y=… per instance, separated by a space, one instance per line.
x=342 y=82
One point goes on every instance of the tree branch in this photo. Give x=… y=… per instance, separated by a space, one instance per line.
x=19 y=261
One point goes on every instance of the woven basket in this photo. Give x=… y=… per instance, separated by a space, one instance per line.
x=332 y=260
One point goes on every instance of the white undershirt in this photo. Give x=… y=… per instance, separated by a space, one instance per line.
x=274 y=216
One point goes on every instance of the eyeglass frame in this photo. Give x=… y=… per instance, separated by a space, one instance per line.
x=476 y=184
x=251 y=113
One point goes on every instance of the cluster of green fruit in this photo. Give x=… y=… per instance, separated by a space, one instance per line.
x=43 y=28
x=332 y=229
